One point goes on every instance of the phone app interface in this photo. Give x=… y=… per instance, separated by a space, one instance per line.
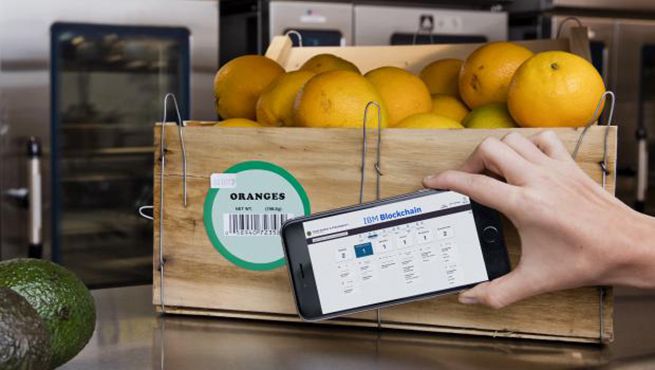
x=394 y=251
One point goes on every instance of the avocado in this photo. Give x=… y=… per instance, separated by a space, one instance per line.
x=24 y=338
x=61 y=299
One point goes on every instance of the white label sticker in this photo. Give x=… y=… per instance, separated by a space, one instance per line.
x=223 y=180
x=243 y=222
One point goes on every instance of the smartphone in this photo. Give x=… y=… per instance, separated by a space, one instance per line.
x=378 y=254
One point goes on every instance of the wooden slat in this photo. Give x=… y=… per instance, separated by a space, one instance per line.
x=373 y=324
x=327 y=163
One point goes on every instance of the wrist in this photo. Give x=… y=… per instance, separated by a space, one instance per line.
x=632 y=252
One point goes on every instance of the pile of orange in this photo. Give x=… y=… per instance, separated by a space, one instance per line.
x=499 y=85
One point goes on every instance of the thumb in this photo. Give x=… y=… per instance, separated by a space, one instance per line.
x=499 y=292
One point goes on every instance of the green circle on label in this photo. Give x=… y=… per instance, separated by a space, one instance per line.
x=244 y=214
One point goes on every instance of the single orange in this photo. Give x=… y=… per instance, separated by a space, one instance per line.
x=442 y=76
x=238 y=122
x=337 y=99
x=555 y=88
x=403 y=93
x=238 y=84
x=494 y=115
x=275 y=105
x=428 y=121
x=327 y=62
x=449 y=106
x=486 y=74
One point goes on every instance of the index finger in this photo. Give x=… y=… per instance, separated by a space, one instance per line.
x=499 y=158
x=481 y=188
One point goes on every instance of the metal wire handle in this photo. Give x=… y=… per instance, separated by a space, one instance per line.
x=565 y=20
x=378 y=166
x=163 y=149
x=143 y=214
x=297 y=34
x=162 y=155
x=605 y=172
x=593 y=120
x=180 y=131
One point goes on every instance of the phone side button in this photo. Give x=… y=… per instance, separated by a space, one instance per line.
x=490 y=234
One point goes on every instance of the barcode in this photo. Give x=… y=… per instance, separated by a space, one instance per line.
x=254 y=224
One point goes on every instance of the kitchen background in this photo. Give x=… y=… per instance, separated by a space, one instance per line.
x=82 y=81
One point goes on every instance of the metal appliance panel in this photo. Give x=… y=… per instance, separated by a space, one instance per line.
x=633 y=85
x=25 y=62
x=606 y=4
x=306 y=15
x=375 y=25
x=623 y=5
x=242 y=29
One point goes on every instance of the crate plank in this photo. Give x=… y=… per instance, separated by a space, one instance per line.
x=327 y=164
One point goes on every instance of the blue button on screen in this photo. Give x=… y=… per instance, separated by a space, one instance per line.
x=363 y=250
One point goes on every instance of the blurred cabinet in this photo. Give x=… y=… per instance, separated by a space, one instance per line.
x=320 y=24
x=399 y=25
x=88 y=77
x=248 y=25
x=107 y=88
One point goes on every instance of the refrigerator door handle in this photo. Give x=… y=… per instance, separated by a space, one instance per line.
x=30 y=198
x=34 y=200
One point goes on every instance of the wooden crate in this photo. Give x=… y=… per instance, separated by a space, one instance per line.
x=200 y=281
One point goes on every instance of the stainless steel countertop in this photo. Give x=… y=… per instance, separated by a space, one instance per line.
x=131 y=335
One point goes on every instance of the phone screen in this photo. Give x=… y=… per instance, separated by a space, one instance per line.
x=394 y=251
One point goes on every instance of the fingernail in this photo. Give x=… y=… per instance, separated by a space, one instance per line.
x=428 y=178
x=468 y=300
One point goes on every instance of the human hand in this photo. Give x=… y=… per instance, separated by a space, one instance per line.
x=573 y=233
